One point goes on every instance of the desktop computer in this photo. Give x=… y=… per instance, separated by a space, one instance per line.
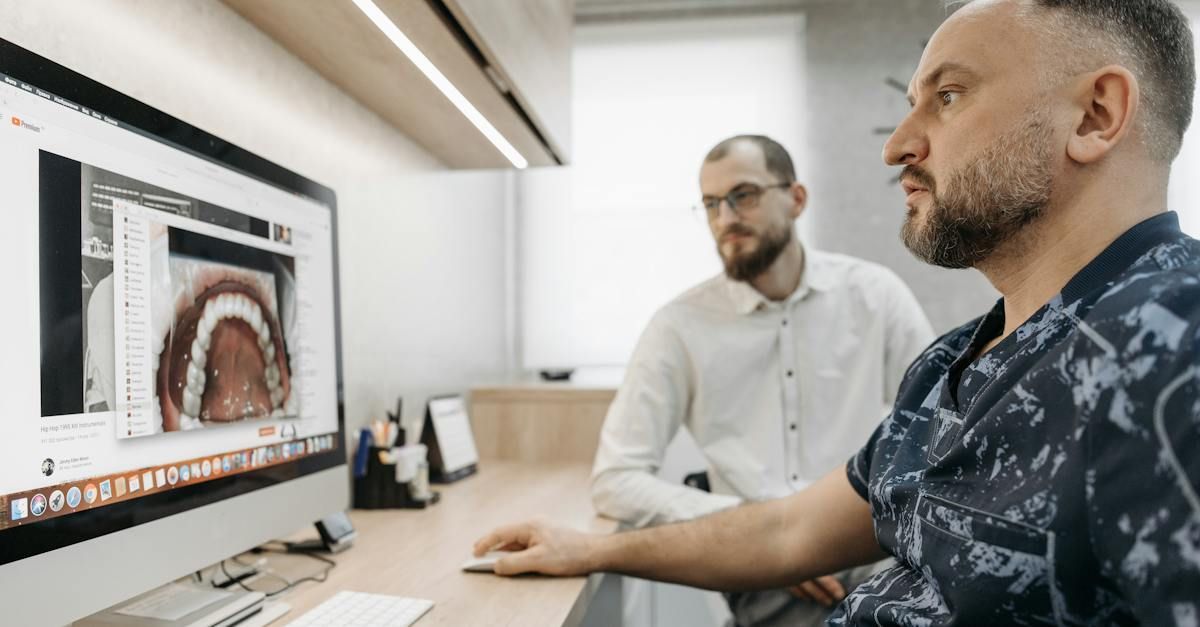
x=171 y=370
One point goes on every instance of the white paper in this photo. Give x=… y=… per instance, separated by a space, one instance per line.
x=453 y=431
x=172 y=602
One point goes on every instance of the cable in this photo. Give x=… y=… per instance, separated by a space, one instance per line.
x=288 y=584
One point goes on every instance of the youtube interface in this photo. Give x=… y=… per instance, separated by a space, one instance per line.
x=175 y=324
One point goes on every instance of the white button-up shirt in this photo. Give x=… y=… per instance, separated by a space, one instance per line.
x=776 y=394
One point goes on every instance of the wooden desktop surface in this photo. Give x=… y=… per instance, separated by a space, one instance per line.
x=418 y=553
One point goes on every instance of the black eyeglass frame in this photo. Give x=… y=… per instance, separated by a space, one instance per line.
x=740 y=193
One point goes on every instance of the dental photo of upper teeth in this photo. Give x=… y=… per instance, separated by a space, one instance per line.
x=224 y=358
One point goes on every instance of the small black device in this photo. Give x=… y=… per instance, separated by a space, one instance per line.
x=337 y=532
x=337 y=535
x=561 y=374
x=699 y=481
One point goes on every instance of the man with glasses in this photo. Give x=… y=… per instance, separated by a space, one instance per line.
x=779 y=368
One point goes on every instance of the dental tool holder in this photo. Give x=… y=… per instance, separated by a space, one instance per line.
x=378 y=489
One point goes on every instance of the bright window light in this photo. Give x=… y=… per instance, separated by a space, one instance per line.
x=440 y=81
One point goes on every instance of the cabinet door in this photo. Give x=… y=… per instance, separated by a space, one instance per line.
x=528 y=44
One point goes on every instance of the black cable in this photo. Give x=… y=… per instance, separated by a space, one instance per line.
x=288 y=585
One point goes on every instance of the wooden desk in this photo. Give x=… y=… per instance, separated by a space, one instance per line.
x=418 y=553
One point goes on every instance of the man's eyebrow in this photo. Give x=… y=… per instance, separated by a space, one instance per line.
x=733 y=189
x=934 y=76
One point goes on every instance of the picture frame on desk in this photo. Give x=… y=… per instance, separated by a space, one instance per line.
x=448 y=437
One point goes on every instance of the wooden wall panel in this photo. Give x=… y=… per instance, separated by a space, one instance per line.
x=539 y=423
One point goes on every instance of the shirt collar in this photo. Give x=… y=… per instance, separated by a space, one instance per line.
x=1121 y=254
x=1107 y=266
x=817 y=277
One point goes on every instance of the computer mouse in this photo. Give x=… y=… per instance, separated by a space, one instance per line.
x=483 y=564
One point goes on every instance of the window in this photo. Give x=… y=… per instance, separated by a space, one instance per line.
x=608 y=240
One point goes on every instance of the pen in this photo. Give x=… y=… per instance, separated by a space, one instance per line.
x=395 y=418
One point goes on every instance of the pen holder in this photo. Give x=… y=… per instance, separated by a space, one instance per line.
x=378 y=489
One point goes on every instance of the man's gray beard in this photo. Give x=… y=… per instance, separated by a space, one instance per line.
x=746 y=268
x=988 y=201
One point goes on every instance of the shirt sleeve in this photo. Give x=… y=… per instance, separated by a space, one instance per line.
x=643 y=419
x=1143 y=475
x=858 y=469
x=908 y=335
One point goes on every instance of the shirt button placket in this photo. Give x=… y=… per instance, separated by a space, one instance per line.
x=791 y=393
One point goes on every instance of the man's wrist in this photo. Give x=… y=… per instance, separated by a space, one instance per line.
x=599 y=552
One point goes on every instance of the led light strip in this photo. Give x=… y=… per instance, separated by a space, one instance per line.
x=439 y=80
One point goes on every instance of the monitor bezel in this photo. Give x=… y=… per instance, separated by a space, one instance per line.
x=29 y=540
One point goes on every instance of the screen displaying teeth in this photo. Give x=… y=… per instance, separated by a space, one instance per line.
x=232 y=306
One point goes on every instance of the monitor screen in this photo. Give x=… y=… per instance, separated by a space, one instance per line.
x=170 y=328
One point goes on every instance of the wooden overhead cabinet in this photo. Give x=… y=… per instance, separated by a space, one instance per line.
x=511 y=59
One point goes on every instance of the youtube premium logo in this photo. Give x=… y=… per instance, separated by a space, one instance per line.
x=16 y=121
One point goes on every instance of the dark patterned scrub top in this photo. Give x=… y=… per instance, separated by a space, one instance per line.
x=1052 y=481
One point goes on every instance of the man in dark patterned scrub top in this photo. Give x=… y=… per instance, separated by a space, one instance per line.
x=1042 y=463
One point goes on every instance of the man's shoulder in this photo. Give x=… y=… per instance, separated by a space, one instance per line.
x=1159 y=292
x=844 y=272
x=705 y=293
x=1146 y=323
x=710 y=295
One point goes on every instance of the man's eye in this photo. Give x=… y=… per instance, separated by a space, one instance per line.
x=710 y=203
x=948 y=97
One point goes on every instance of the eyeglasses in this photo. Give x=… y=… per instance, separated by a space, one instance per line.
x=741 y=199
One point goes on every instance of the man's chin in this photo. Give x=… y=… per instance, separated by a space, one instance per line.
x=918 y=211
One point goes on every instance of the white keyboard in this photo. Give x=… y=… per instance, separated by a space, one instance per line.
x=360 y=608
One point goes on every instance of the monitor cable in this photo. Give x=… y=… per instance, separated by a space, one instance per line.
x=231 y=579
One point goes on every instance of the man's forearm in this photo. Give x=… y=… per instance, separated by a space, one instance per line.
x=821 y=530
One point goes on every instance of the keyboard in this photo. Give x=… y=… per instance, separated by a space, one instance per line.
x=360 y=608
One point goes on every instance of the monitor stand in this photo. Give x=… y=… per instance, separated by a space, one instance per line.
x=180 y=604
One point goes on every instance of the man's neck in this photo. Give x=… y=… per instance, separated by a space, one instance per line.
x=1039 y=263
x=783 y=277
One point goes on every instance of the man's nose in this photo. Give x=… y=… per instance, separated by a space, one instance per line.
x=726 y=214
x=908 y=143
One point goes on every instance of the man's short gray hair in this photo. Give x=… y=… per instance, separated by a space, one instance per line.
x=1151 y=38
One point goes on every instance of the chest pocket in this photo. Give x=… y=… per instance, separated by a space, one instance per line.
x=947 y=427
x=987 y=568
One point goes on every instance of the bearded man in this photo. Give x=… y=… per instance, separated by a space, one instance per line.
x=1041 y=463
x=779 y=368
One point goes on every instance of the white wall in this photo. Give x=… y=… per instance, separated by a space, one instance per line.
x=853 y=46
x=608 y=240
x=1184 y=195
x=422 y=250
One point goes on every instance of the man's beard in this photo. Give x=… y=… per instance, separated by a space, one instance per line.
x=749 y=266
x=987 y=202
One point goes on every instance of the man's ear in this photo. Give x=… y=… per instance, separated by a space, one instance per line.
x=1108 y=101
x=799 y=199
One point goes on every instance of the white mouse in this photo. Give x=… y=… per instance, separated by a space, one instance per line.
x=483 y=564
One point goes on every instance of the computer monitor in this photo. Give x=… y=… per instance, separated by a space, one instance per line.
x=171 y=365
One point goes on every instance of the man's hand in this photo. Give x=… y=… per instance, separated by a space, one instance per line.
x=827 y=591
x=540 y=548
